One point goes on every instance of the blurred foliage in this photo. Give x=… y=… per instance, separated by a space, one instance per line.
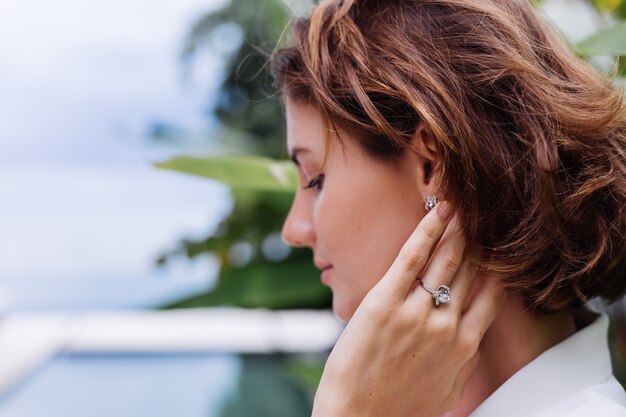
x=246 y=101
x=240 y=172
x=609 y=5
x=268 y=277
x=250 y=113
x=609 y=41
x=289 y=284
x=263 y=186
x=262 y=379
x=308 y=372
x=617 y=336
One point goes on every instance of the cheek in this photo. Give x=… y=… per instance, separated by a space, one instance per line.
x=341 y=219
x=360 y=229
x=343 y=237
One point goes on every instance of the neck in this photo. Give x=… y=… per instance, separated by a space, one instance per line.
x=515 y=338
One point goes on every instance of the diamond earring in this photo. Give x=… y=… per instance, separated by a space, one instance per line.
x=431 y=201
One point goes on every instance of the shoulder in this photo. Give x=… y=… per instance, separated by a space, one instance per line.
x=606 y=399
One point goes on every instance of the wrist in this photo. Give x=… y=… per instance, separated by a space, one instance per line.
x=333 y=405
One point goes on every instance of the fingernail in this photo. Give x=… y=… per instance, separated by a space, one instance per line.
x=444 y=210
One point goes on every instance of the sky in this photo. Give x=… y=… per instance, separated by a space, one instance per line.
x=83 y=213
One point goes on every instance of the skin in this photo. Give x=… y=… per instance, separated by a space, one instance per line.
x=360 y=219
x=513 y=340
x=326 y=220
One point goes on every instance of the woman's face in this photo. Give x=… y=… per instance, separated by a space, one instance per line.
x=361 y=214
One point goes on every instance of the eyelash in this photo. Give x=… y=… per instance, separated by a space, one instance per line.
x=317 y=181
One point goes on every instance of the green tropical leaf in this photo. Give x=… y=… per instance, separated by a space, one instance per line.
x=609 y=41
x=285 y=285
x=240 y=172
x=607 y=5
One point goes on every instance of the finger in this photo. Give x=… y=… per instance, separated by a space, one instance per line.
x=459 y=384
x=465 y=277
x=483 y=309
x=414 y=253
x=443 y=265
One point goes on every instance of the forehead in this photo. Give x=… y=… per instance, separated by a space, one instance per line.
x=305 y=128
x=307 y=135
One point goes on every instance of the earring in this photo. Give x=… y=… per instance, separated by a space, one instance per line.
x=431 y=201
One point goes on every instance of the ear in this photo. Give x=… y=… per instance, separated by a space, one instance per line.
x=423 y=145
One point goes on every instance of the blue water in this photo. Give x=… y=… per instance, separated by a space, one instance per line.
x=165 y=385
x=169 y=385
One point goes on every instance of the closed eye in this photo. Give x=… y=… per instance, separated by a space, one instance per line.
x=317 y=181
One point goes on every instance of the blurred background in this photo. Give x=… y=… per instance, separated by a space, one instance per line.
x=143 y=185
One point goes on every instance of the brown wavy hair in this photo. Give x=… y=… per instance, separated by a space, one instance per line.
x=531 y=139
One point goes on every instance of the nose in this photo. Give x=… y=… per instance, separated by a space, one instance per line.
x=298 y=227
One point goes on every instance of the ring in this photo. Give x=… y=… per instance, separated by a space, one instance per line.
x=441 y=295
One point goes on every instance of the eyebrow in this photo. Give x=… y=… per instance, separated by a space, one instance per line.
x=295 y=152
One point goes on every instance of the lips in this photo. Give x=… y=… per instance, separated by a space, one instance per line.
x=321 y=265
x=325 y=267
x=326 y=275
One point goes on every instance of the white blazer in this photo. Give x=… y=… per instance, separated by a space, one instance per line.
x=571 y=379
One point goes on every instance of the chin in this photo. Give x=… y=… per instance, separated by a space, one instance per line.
x=342 y=309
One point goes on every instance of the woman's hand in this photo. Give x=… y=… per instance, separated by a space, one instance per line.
x=400 y=355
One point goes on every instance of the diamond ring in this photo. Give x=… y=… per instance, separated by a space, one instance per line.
x=441 y=295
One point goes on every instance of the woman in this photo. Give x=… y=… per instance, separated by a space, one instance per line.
x=393 y=103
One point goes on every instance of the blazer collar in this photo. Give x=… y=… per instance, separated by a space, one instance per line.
x=581 y=360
